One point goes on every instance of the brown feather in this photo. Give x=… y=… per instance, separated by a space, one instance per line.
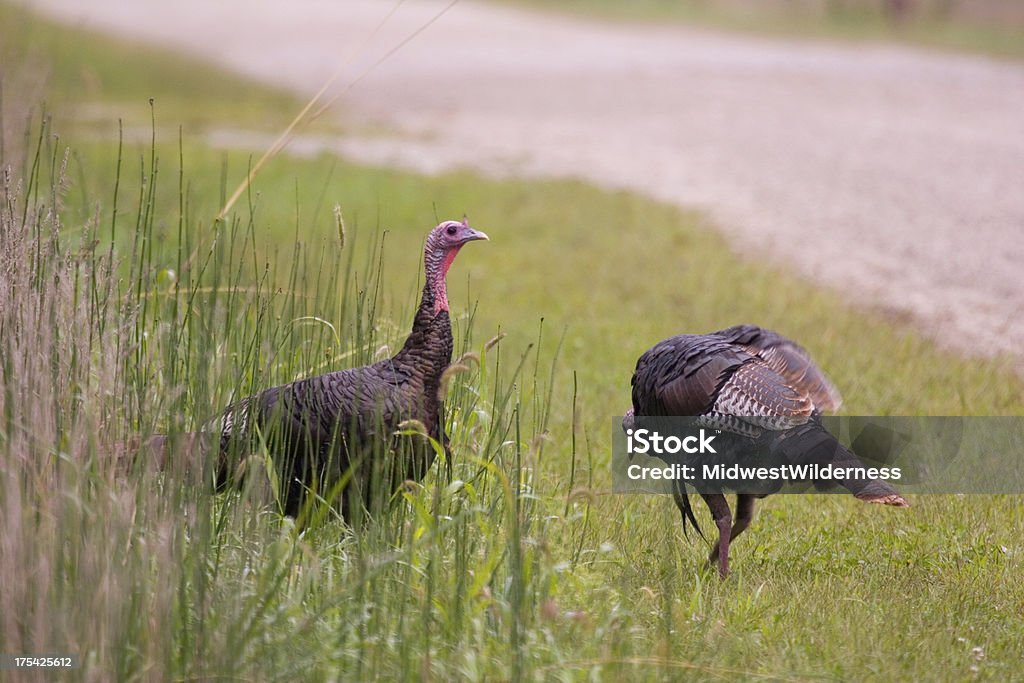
x=790 y=360
x=757 y=390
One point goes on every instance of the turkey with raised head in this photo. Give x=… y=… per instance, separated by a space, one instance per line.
x=764 y=393
x=334 y=435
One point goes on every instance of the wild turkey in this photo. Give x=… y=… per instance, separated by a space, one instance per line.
x=759 y=388
x=335 y=434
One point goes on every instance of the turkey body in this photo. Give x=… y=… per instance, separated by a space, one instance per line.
x=341 y=426
x=339 y=436
x=766 y=395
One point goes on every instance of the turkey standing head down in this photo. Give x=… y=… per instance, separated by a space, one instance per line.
x=765 y=393
x=334 y=435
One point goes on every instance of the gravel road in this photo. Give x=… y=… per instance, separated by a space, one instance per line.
x=894 y=175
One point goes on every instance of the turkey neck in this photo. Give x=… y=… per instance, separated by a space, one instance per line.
x=428 y=348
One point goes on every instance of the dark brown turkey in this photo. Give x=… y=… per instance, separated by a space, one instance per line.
x=765 y=393
x=334 y=435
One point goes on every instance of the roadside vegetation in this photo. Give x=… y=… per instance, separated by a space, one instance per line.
x=127 y=309
x=987 y=27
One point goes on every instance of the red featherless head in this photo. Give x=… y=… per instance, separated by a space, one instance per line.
x=442 y=246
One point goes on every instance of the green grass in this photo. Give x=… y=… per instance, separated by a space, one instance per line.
x=974 y=28
x=520 y=565
x=102 y=81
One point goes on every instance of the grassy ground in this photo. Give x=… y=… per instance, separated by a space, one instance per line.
x=988 y=27
x=117 y=80
x=519 y=564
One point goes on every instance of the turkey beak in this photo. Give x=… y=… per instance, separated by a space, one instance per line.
x=469 y=235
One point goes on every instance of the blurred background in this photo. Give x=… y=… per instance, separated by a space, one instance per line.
x=873 y=147
x=988 y=26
